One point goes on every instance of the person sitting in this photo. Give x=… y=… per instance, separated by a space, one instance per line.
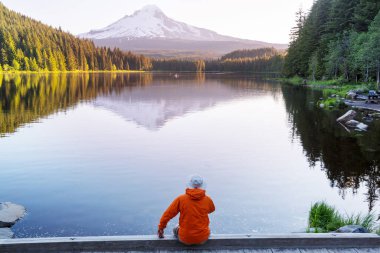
x=194 y=207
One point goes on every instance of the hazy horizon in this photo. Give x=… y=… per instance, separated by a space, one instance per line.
x=268 y=21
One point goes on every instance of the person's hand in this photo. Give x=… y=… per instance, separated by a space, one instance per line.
x=160 y=233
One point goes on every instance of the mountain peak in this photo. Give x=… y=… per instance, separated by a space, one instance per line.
x=149 y=11
x=150 y=8
x=150 y=23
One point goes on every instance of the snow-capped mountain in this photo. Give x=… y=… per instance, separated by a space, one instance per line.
x=149 y=31
x=151 y=22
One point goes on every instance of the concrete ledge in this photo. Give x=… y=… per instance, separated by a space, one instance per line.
x=216 y=242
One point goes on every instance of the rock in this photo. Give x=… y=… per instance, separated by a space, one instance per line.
x=352 y=94
x=347 y=116
x=10 y=213
x=368 y=118
x=352 y=123
x=362 y=126
x=352 y=229
x=6 y=233
x=358 y=125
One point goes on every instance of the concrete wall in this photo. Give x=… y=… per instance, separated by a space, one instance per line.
x=216 y=242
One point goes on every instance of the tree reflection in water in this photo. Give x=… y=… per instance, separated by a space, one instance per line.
x=350 y=160
x=27 y=98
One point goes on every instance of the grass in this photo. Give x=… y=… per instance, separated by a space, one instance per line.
x=325 y=218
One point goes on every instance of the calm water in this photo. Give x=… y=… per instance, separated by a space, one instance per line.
x=105 y=154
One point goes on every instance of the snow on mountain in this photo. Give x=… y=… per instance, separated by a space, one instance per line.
x=150 y=22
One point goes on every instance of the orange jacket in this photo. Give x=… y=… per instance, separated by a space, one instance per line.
x=194 y=207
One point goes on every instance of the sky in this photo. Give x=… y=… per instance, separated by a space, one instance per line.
x=263 y=20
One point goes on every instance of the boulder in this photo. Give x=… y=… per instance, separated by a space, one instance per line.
x=350 y=115
x=352 y=94
x=6 y=233
x=356 y=124
x=10 y=213
x=352 y=229
x=362 y=126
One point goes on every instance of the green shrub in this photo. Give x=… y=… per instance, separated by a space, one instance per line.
x=323 y=216
x=295 y=80
x=326 y=218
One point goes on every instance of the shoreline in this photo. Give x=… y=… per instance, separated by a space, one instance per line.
x=335 y=93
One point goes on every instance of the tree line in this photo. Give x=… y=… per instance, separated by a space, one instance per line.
x=29 y=45
x=254 y=60
x=337 y=39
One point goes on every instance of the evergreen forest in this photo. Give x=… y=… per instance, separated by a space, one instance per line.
x=29 y=45
x=337 y=39
x=253 y=60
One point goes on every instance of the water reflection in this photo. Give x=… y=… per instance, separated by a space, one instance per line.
x=27 y=98
x=153 y=106
x=131 y=139
x=350 y=160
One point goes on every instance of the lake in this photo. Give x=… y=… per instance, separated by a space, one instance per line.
x=105 y=154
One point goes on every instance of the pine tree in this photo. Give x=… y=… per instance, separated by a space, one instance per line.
x=365 y=13
x=200 y=66
x=33 y=65
x=52 y=62
x=300 y=20
x=3 y=56
x=15 y=65
x=374 y=45
x=25 y=64
x=10 y=48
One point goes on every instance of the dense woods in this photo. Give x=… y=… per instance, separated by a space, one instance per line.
x=260 y=53
x=29 y=45
x=254 y=60
x=178 y=65
x=337 y=39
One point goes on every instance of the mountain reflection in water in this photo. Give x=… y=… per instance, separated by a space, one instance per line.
x=256 y=154
x=157 y=103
